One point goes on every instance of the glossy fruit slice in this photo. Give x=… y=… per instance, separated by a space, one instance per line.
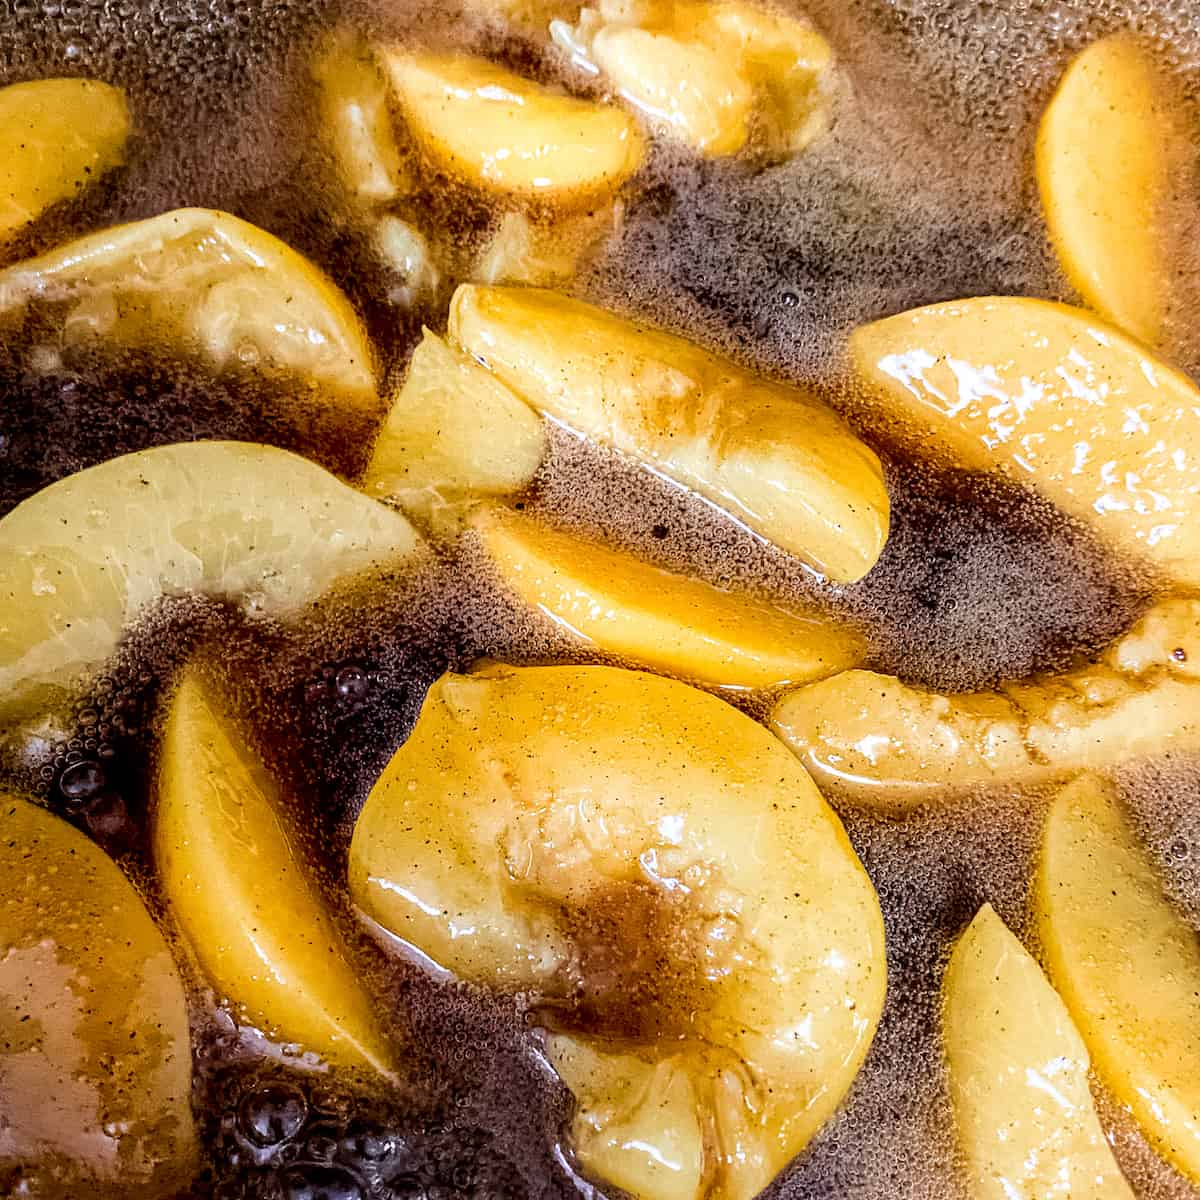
x=667 y=880
x=1103 y=170
x=56 y=137
x=772 y=456
x=1126 y=965
x=200 y=280
x=1018 y=1075
x=240 y=893
x=1055 y=397
x=454 y=432
x=95 y=1052
x=886 y=743
x=81 y=560
x=509 y=135
x=666 y=621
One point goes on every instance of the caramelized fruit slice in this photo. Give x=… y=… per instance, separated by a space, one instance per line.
x=543 y=253
x=239 y=891
x=82 y=559
x=1052 y=395
x=669 y=882
x=95 y=1056
x=1103 y=168
x=498 y=131
x=1018 y=1074
x=772 y=456
x=207 y=282
x=1126 y=965
x=56 y=137
x=706 y=73
x=454 y=432
x=667 y=621
x=886 y=743
x=356 y=123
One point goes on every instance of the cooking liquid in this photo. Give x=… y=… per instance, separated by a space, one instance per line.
x=922 y=192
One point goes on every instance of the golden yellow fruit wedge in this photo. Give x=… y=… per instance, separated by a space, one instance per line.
x=1018 y=1076
x=771 y=456
x=356 y=124
x=1103 y=169
x=81 y=560
x=206 y=282
x=495 y=130
x=667 y=880
x=650 y=616
x=95 y=1055
x=1055 y=397
x=883 y=742
x=454 y=432
x=708 y=74
x=1126 y=965
x=240 y=893
x=56 y=137
x=543 y=253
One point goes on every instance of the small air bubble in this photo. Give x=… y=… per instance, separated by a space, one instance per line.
x=271 y=1115
x=82 y=781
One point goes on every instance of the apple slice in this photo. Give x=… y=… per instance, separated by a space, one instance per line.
x=239 y=890
x=885 y=743
x=95 y=1053
x=771 y=456
x=666 y=621
x=1104 y=151
x=1056 y=397
x=205 y=281
x=81 y=560
x=454 y=432
x=56 y=137
x=1018 y=1074
x=508 y=135
x=1126 y=965
x=650 y=865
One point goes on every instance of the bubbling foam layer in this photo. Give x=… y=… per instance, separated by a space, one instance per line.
x=921 y=192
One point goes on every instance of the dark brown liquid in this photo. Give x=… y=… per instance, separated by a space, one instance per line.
x=922 y=192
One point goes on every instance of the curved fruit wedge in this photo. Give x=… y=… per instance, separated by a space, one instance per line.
x=666 y=621
x=239 y=892
x=1103 y=169
x=81 y=560
x=95 y=1056
x=667 y=880
x=706 y=74
x=1018 y=1074
x=454 y=432
x=1053 y=396
x=883 y=742
x=356 y=123
x=208 y=282
x=772 y=456
x=56 y=137
x=498 y=131
x=1126 y=965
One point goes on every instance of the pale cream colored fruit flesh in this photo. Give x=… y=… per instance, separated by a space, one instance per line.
x=56 y=137
x=1018 y=1076
x=81 y=560
x=772 y=456
x=205 y=281
x=1055 y=397
x=535 y=814
x=509 y=135
x=240 y=893
x=454 y=432
x=666 y=621
x=882 y=742
x=1104 y=159
x=1125 y=963
x=95 y=1052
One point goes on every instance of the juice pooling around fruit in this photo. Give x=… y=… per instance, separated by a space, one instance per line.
x=671 y=887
